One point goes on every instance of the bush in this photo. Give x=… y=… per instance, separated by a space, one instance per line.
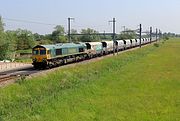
x=166 y=38
x=21 y=79
x=156 y=44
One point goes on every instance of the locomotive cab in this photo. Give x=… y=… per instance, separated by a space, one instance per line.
x=40 y=55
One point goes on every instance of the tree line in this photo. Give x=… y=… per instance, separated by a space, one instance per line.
x=13 y=41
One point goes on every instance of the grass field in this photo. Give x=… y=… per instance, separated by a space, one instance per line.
x=141 y=85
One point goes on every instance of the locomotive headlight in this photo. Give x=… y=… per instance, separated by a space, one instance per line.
x=34 y=59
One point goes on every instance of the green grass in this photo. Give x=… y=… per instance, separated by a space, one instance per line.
x=142 y=85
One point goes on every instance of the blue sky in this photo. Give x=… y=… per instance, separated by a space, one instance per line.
x=163 y=14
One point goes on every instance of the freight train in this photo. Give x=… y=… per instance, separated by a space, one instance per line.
x=47 y=56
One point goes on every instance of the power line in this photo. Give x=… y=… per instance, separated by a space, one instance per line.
x=27 y=21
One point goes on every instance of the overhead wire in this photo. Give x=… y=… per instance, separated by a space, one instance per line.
x=27 y=21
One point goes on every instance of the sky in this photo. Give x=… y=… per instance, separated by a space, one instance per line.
x=161 y=14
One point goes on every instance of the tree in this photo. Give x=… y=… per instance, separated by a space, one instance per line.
x=58 y=35
x=87 y=37
x=3 y=46
x=7 y=45
x=25 y=39
x=37 y=37
x=48 y=37
x=44 y=42
x=127 y=34
x=59 y=30
x=74 y=38
x=1 y=25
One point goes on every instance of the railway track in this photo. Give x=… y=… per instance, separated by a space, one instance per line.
x=11 y=76
x=7 y=77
